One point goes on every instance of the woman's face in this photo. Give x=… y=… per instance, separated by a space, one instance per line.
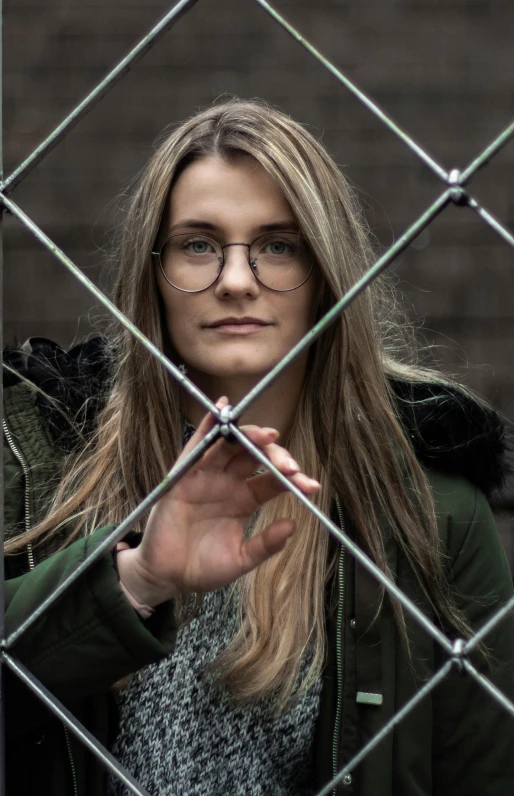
x=237 y=327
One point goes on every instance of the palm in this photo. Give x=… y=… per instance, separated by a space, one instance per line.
x=203 y=526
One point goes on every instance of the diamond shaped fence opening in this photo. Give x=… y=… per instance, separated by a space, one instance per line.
x=454 y=191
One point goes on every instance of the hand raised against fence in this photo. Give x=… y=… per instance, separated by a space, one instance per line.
x=194 y=540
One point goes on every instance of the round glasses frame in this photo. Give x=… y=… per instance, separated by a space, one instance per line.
x=251 y=263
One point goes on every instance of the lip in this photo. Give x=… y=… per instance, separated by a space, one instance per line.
x=244 y=321
x=233 y=325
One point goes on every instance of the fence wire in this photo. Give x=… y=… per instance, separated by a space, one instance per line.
x=455 y=192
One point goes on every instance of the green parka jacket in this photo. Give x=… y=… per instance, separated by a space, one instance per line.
x=457 y=741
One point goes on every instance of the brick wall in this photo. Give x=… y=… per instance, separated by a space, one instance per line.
x=442 y=70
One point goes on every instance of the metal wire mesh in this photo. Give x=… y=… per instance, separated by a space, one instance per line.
x=455 y=192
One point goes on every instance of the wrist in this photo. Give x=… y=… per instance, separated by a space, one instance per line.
x=140 y=588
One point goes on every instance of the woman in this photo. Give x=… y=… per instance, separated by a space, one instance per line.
x=240 y=235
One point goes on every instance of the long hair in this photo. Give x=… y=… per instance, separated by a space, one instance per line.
x=345 y=433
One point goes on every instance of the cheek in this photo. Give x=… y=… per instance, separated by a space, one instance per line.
x=177 y=316
x=179 y=322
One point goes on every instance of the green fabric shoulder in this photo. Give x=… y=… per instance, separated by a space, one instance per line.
x=476 y=558
x=32 y=461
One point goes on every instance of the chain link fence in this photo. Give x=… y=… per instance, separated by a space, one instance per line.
x=454 y=191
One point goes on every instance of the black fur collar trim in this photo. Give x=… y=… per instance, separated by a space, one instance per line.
x=449 y=430
x=453 y=432
x=77 y=381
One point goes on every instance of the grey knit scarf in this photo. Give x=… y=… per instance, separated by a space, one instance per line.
x=180 y=735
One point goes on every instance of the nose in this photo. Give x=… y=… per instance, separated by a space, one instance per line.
x=236 y=278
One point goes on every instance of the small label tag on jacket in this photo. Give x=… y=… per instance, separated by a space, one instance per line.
x=366 y=698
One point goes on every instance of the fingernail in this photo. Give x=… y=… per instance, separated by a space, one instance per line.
x=291 y=464
x=221 y=402
x=272 y=431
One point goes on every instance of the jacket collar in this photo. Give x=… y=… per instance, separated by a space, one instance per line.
x=450 y=429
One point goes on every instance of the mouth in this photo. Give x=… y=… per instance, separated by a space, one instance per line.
x=245 y=325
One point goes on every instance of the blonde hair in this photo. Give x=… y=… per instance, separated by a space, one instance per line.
x=346 y=432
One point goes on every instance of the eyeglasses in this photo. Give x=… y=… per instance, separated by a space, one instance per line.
x=279 y=260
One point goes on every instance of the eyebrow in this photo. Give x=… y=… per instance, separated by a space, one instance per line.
x=194 y=223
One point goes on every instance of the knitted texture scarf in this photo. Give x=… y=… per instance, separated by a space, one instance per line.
x=181 y=734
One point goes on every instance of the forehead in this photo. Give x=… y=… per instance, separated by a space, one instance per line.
x=223 y=192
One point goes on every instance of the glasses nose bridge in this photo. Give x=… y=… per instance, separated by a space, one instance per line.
x=237 y=243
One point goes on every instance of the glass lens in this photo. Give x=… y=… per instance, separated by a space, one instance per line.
x=191 y=262
x=281 y=260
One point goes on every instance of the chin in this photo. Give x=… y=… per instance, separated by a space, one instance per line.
x=240 y=372
x=230 y=369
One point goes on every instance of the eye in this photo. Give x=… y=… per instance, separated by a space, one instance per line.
x=198 y=247
x=277 y=247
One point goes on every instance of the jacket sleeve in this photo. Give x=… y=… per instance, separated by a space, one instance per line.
x=89 y=638
x=473 y=739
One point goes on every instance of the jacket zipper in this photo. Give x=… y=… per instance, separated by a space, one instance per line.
x=339 y=650
x=30 y=555
x=26 y=476
x=72 y=763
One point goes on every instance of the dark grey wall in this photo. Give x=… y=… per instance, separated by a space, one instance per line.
x=443 y=70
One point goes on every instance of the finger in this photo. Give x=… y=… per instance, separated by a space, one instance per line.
x=266 y=486
x=259 y=548
x=223 y=453
x=246 y=463
x=207 y=423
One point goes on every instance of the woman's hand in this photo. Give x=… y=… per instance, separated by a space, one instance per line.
x=194 y=540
